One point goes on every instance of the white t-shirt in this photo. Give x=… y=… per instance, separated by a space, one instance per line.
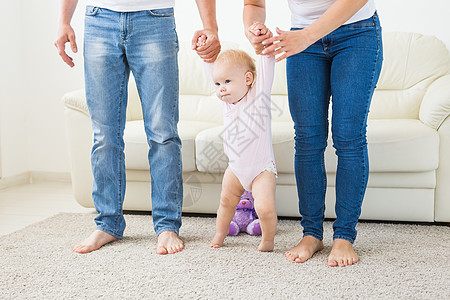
x=305 y=12
x=131 y=5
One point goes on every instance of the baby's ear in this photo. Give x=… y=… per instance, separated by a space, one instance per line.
x=248 y=78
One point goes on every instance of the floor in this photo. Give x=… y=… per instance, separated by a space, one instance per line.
x=24 y=205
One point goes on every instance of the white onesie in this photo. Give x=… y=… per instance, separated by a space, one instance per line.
x=247 y=134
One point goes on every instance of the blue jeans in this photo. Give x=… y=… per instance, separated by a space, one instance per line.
x=145 y=43
x=346 y=65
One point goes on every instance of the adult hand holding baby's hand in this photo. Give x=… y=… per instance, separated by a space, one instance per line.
x=206 y=43
x=287 y=43
x=256 y=33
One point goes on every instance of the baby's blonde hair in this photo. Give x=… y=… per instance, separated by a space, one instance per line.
x=239 y=57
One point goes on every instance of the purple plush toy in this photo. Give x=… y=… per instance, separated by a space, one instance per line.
x=245 y=218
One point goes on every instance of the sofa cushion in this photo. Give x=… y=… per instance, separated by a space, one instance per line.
x=136 y=147
x=211 y=158
x=411 y=63
x=412 y=59
x=209 y=154
x=397 y=145
x=401 y=145
x=201 y=108
x=280 y=108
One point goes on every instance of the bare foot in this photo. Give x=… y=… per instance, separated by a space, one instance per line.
x=169 y=243
x=217 y=240
x=96 y=240
x=266 y=246
x=342 y=254
x=304 y=250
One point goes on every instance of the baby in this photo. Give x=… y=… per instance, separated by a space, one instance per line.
x=247 y=138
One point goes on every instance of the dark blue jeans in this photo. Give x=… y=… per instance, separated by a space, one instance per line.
x=346 y=65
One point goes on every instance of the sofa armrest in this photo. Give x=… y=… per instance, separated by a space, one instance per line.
x=435 y=107
x=442 y=193
x=79 y=140
x=76 y=100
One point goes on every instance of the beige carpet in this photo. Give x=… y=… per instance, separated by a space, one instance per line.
x=397 y=262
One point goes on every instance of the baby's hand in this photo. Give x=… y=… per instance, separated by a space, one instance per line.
x=207 y=45
x=201 y=41
x=258 y=28
x=256 y=34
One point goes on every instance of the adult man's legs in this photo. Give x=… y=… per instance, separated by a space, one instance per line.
x=106 y=78
x=152 y=48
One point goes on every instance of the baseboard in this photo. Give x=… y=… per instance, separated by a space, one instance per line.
x=33 y=177
x=15 y=180
x=39 y=176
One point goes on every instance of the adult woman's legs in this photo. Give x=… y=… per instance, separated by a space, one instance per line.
x=309 y=96
x=356 y=66
x=347 y=61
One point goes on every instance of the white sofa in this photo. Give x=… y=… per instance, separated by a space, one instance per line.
x=408 y=138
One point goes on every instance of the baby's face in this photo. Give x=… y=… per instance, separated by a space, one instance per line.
x=232 y=81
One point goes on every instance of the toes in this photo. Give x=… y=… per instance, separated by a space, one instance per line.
x=300 y=259
x=78 y=248
x=352 y=260
x=82 y=249
x=169 y=243
x=170 y=249
x=290 y=256
x=341 y=262
x=176 y=249
x=332 y=262
x=295 y=257
x=161 y=250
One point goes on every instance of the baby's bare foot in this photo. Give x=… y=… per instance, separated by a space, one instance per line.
x=94 y=242
x=266 y=246
x=169 y=243
x=217 y=240
x=342 y=254
x=304 y=250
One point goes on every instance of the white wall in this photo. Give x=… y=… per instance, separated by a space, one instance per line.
x=47 y=78
x=426 y=17
x=13 y=107
x=32 y=136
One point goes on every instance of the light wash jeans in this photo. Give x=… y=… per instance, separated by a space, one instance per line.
x=346 y=65
x=145 y=43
